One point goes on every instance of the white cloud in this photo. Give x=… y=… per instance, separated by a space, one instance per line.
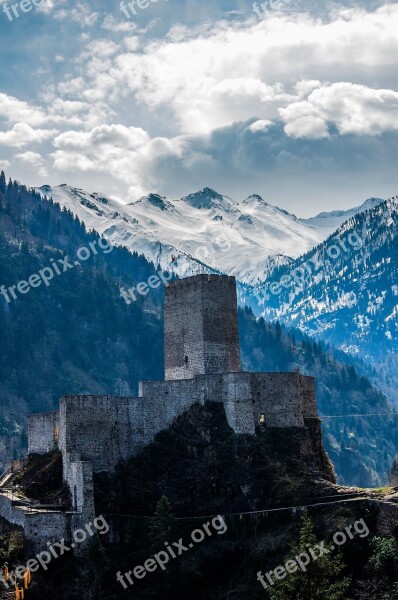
x=4 y=164
x=23 y=135
x=112 y=24
x=280 y=86
x=47 y=6
x=80 y=14
x=125 y=152
x=35 y=160
x=260 y=125
x=352 y=108
x=233 y=71
x=310 y=127
x=112 y=136
x=15 y=110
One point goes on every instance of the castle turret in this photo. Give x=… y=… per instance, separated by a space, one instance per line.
x=201 y=327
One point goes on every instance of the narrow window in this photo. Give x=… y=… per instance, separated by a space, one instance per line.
x=262 y=420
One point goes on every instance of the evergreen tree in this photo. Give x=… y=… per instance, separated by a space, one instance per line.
x=323 y=578
x=162 y=525
x=3 y=184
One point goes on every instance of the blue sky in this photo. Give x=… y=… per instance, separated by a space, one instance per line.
x=299 y=105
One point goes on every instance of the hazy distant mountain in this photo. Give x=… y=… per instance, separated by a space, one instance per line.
x=336 y=218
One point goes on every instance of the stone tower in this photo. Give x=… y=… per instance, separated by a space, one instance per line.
x=201 y=327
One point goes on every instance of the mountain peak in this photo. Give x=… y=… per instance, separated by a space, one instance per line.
x=155 y=200
x=255 y=198
x=370 y=203
x=205 y=198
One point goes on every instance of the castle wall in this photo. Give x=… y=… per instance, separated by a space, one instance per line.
x=183 y=331
x=9 y=512
x=220 y=325
x=81 y=485
x=308 y=396
x=38 y=526
x=277 y=397
x=42 y=432
x=238 y=402
x=43 y=527
x=101 y=429
x=201 y=327
x=105 y=430
x=163 y=401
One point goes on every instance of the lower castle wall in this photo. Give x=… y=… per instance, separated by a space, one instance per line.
x=43 y=527
x=41 y=432
x=97 y=432
x=79 y=477
x=10 y=513
x=39 y=527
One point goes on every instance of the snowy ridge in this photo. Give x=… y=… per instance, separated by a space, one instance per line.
x=335 y=218
x=202 y=232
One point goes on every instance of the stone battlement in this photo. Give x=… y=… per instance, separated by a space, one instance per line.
x=195 y=279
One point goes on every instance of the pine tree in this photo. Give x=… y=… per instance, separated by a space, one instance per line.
x=162 y=525
x=9 y=189
x=3 y=184
x=323 y=578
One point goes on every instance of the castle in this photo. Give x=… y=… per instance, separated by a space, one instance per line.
x=202 y=364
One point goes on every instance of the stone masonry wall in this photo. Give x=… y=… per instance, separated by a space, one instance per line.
x=308 y=396
x=277 y=397
x=238 y=402
x=104 y=429
x=101 y=429
x=41 y=432
x=45 y=526
x=201 y=327
x=39 y=526
x=220 y=325
x=80 y=480
x=183 y=331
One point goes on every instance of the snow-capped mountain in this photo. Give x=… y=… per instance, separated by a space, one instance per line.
x=345 y=291
x=204 y=231
x=350 y=300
